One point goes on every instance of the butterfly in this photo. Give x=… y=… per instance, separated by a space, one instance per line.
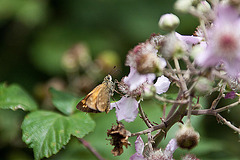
x=98 y=100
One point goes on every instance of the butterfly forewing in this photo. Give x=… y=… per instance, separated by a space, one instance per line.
x=88 y=104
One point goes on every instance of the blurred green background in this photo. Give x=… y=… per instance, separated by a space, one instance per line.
x=35 y=36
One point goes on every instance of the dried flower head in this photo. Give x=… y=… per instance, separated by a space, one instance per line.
x=119 y=138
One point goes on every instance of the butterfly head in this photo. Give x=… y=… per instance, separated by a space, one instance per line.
x=108 y=78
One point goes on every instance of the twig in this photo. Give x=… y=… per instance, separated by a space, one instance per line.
x=228 y=123
x=171 y=101
x=220 y=95
x=170 y=76
x=90 y=148
x=174 y=71
x=227 y=107
x=181 y=79
x=147 y=122
x=190 y=66
x=174 y=106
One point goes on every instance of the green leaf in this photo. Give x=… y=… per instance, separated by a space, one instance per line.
x=14 y=97
x=47 y=132
x=64 y=102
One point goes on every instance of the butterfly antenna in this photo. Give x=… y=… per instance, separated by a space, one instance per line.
x=114 y=70
x=115 y=102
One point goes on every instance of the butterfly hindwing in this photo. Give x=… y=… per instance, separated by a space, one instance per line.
x=103 y=100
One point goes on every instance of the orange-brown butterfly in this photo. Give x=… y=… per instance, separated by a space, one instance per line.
x=98 y=100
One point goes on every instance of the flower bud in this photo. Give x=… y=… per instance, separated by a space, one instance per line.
x=172 y=47
x=149 y=91
x=183 y=5
x=203 y=7
x=203 y=87
x=187 y=137
x=169 y=22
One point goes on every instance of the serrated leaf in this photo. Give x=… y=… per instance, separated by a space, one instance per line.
x=64 y=102
x=47 y=132
x=14 y=97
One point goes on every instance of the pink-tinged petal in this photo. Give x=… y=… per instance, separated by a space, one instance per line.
x=190 y=40
x=225 y=13
x=162 y=62
x=162 y=84
x=233 y=68
x=230 y=95
x=171 y=147
x=139 y=146
x=206 y=57
x=126 y=108
x=136 y=156
x=150 y=78
x=222 y=46
x=134 y=79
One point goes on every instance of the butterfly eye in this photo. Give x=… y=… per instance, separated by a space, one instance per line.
x=109 y=78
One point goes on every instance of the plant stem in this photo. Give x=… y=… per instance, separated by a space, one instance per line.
x=90 y=148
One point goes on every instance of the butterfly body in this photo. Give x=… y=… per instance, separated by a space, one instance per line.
x=98 y=100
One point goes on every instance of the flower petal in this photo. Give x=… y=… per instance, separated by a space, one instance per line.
x=126 y=108
x=134 y=79
x=137 y=156
x=139 y=145
x=230 y=95
x=190 y=40
x=171 y=147
x=162 y=84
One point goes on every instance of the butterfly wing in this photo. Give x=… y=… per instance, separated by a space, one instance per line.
x=89 y=103
x=103 y=99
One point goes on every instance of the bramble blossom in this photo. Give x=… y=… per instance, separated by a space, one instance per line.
x=127 y=106
x=223 y=45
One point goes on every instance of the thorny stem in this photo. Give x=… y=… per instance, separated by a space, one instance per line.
x=214 y=112
x=177 y=116
x=144 y=117
x=189 y=108
x=164 y=112
x=227 y=107
x=228 y=123
x=90 y=148
x=150 y=141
